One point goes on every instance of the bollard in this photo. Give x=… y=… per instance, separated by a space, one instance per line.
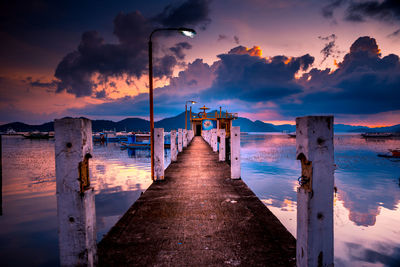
x=235 y=152
x=158 y=154
x=184 y=138
x=180 y=140
x=222 y=144
x=214 y=140
x=75 y=198
x=174 y=152
x=314 y=148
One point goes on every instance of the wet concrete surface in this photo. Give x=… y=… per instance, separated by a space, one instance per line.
x=198 y=216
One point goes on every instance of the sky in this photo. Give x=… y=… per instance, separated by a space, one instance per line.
x=266 y=60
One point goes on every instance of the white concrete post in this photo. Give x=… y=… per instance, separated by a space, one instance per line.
x=180 y=140
x=314 y=148
x=174 y=152
x=191 y=135
x=75 y=198
x=214 y=140
x=235 y=152
x=184 y=134
x=222 y=151
x=158 y=154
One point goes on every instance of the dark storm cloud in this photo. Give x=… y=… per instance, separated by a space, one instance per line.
x=327 y=10
x=386 y=10
x=358 y=11
x=190 y=13
x=168 y=99
x=129 y=56
x=178 y=49
x=364 y=83
x=243 y=75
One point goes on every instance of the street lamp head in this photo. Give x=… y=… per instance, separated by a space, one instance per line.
x=194 y=102
x=187 y=32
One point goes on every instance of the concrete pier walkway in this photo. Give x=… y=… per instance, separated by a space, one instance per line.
x=198 y=216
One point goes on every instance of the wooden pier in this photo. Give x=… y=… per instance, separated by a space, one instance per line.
x=198 y=216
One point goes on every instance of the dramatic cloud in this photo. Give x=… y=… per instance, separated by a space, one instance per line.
x=95 y=57
x=189 y=83
x=327 y=11
x=358 y=11
x=364 y=83
x=190 y=13
x=386 y=10
x=243 y=74
x=178 y=49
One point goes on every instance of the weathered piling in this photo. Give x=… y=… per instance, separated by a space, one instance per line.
x=158 y=154
x=190 y=133
x=174 y=152
x=75 y=198
x=235 y=152
x=214 y=140
x=314 y=145
x=180 y=137
x=184 y=138
x=222 y=150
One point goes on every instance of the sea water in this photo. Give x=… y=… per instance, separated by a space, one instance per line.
x=366 y=205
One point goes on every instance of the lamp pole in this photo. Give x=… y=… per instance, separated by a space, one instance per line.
x=192 y=102
x=185 y=31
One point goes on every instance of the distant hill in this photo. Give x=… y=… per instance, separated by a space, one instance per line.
x=178 y=121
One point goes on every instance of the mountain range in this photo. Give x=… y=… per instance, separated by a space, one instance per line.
x=137 y=124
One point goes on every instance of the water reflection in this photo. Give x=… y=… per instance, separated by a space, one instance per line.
x=366 y=205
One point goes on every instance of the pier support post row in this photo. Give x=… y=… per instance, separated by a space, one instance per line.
x=214 y=140
x=180 y=140
x=158 y=154
x=235 y=152
x=222 y=145
x=174 y=152
x=75 y=198
x=184 y=134
x=314 y=148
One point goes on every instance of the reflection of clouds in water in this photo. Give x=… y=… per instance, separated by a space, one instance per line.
x=379 y=254
x=366 y=207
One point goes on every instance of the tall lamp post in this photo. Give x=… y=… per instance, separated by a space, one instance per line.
x=185 y=31
x=191 y=102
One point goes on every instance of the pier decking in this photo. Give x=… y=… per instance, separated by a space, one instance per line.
x=198 y=216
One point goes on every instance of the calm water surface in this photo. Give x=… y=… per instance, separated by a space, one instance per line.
x=367 y=203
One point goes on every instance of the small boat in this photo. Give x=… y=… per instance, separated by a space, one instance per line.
x=292 y=135
x=395 y=154
x=141 y=140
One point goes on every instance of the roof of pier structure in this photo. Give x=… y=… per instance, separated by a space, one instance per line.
x=198 y=216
